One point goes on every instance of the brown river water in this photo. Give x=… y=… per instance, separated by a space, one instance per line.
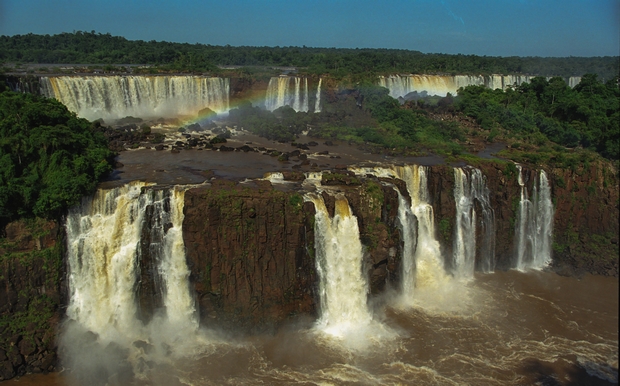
x=505 y=328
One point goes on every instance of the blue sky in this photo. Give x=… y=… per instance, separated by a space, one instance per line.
x=481 y=27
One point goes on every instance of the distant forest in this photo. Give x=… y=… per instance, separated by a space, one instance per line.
x=97 y=48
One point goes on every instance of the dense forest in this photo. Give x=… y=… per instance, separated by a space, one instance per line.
x=586 y=116
x=49 y=158
x=96 y=48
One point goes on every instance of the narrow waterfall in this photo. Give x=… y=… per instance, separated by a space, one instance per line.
x=317 y=102
x=470 y=188
x=465 y=230
x=107 y=238
x=534 y=226
x=342 y=283
x=408 y=227
x=280 y=93
x=113 y=97
x=429 y=267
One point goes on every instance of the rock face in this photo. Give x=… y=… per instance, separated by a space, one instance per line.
x=31 y=292
x=249 y=249
x=586 y=220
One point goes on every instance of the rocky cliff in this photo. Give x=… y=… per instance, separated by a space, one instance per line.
x=31 y=297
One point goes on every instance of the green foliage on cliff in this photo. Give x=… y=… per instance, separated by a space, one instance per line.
x=587 y=115
x=356 y=64
x=49 y=158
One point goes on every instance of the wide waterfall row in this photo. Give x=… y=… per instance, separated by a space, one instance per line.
x=113 y=97
x=534 y=226
x=402 y=85
x=108 y=237
x=287 y=91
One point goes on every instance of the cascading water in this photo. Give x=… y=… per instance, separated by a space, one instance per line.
x=429 y=267
x=441 y=85
x=468 y=189
x=317 y=102
x=343 y=287
x=113 y=97
x=280 y=93
x=534 y=226
x=408 y=226
x=104 y=249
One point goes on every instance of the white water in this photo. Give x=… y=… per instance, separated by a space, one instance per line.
x=342 y=283
x=408 y=225
x=317 y=103
x=429 y=267
x=534 y=225
x=470 y=187
x=103 y=253
x=441 y=85
x=281 y=93
x=113 y=97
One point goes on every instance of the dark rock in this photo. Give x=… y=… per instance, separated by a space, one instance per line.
x=159 y=147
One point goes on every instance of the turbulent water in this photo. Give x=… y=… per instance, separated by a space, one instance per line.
x=514 y=327
x=113 y=97
x=287 y=91
x=402 y=85
x=106 y=326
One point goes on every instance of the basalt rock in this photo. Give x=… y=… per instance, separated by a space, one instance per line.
x=31 y=294
x=249 y=251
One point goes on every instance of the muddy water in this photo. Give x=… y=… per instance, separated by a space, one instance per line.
x=504 y=328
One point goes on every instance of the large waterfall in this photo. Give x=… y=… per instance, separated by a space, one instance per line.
x=113 y=97
x=470 y=188
x=534 y=225
x=401 y=85
x=343 y=285
x=287 y=91
x=107 y=239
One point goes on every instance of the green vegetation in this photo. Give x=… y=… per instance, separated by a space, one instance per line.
x=49 y=158
x=544 y=111
x=355 y=64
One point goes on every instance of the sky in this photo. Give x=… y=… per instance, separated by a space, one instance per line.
x=479 y=27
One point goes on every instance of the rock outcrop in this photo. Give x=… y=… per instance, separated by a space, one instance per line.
x=31 y=295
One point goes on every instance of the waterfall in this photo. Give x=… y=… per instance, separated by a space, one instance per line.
x=401 y=85
x=429 y=267
x=342 y=283
x=317 y=103
x=113 y=97
x=280 y=93
x=107 y=237
x=469 y=189
x=534 y=225
x=408 y=226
